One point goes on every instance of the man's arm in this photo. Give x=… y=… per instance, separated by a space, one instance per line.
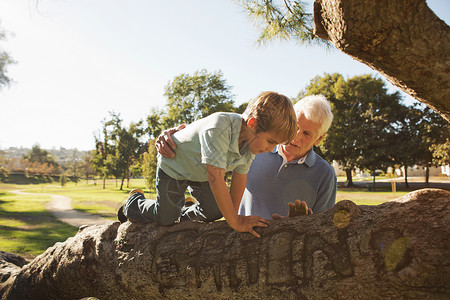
x=164 y=143
x=226 y=206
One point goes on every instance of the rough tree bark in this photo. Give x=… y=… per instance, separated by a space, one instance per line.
x=399 y=249
x=402 y=39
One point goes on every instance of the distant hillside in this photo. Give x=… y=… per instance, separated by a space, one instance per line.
x=60 y=155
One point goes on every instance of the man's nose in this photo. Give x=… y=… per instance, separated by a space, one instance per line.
x=298 y=135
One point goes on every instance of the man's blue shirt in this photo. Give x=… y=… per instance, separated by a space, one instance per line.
x=270 y=188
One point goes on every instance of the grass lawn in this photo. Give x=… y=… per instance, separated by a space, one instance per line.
x=92 y=198
x=368 y=198
x=26 y=227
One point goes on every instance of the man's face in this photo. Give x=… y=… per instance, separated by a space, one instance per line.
x=308 y=135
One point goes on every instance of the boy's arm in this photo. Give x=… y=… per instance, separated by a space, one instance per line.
x=226 y=206
x=238 y=183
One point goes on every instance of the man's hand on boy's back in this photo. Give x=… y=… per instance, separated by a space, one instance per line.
x=165 y=139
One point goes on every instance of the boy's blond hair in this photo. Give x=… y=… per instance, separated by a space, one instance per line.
x=275 y=113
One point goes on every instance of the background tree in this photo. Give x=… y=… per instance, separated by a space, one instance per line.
x=127 y=149
x=363 y=116
x=5 y=61
x=192 y=97
x=441 y=153
x=433 y=130
x=406 y=138
x=39 y=155
x=121 y=146
x=86 y=166
x=154 y=123
x=149 y=164
x=102 y=149
x=3 y=166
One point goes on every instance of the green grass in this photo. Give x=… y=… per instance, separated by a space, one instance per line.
x=368 y=198
x=26 y=227
x=92 y=198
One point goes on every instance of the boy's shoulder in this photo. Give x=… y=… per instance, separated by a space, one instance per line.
x=221 y=120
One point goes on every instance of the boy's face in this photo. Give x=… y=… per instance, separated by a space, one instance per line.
x=262 y=142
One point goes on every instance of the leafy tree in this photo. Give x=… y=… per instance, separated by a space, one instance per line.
x=282 y=20
x=154 y=123
x=441 y=153
x=406 y=138
x=363 y=113
x=120 y=148
x=3 y=166
x=101 y=152
x=5 y=61
x=62 y=179
x=434 y=130
x=36 y=154
x=192 y=97
x=149 y=164
x=127 y=149
x=86 y=166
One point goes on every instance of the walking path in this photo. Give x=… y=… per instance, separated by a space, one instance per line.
x=61 y=207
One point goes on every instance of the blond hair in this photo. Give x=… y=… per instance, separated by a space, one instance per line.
x=275 y=113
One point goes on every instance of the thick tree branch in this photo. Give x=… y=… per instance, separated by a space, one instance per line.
x=403 y=40
x=395 y=250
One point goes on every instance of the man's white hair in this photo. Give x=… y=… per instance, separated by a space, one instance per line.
x=315 y=108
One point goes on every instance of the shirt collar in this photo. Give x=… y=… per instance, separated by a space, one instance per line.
x=309 y=159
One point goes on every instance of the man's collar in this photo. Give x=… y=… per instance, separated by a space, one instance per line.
x=309 y=159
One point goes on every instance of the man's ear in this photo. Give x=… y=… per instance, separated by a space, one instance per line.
x=319 y=139
x=252 y=123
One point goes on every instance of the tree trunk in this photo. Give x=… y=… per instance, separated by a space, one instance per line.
x=373 y=180
x=398 y=249
x=349 y=182
x=402 y=39
x=427 y=176
x=121 y=183
x=406 y=177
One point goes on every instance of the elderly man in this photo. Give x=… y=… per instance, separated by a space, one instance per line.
x=291 y=180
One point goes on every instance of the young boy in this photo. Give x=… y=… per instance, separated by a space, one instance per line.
x=206 y=149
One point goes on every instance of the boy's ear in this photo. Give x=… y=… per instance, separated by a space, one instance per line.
x=252 y=122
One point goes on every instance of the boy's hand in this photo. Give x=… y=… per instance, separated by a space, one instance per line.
x=164 y=143
x=246 y=224
x=300 y=208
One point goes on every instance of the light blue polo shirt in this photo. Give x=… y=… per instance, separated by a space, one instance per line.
x=213 y=140
x=272 y=185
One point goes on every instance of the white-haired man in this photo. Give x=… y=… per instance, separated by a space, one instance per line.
x=292 y=179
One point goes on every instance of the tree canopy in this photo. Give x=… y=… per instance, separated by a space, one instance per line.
x=5 y=61
x=189 y=98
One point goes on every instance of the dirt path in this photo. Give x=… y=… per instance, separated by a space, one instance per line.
x=61 y=207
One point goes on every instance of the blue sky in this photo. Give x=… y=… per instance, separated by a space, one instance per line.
x=79 y=59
